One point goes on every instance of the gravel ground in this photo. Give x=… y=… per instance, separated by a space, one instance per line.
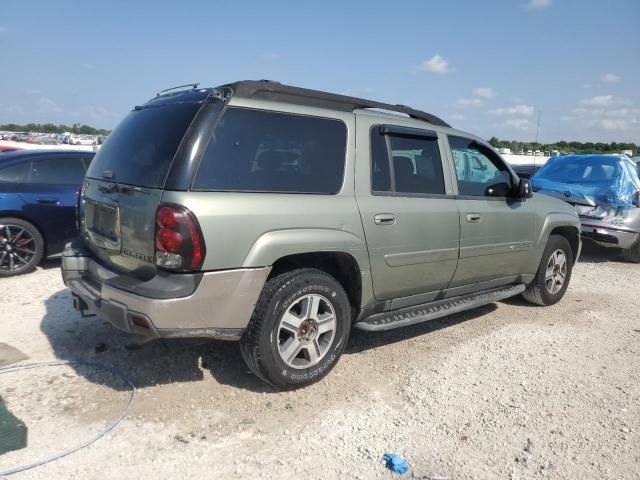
x=505 y=391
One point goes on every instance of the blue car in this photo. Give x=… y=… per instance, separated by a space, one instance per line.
x=38 y=196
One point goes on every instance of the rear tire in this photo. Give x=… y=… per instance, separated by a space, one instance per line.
x=632 y=254
x=554 y=273
x=298 y=330
x=21 y=247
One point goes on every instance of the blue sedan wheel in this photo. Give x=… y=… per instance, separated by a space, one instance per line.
x=21 y=247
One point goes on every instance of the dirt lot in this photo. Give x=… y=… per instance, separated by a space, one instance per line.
x=506 y=391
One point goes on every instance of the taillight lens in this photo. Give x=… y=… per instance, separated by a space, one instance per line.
x=179 y=243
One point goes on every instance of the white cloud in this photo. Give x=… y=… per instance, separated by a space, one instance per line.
x=598 y=101
x=435 y=64
x=469 y=102
x=526 y=110
x=538 y=4
x=3 y=29
x=483 y=92
x=611 y=78
x=46 y=105
x=89 y=66
x=603 y=117
x=457 y=116
x=519 y=123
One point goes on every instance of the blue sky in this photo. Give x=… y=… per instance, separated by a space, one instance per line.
x=485 y=66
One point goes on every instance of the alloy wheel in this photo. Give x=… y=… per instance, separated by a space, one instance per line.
x=17 y=248
x=556 y=272
x=306 y=331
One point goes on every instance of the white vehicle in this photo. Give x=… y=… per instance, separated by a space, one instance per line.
x=529 y=152
x=555 y=153
x=82 y=140
x=504 y=150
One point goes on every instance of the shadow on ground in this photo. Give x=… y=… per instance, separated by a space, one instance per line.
x=594 y=253
x=73 y=337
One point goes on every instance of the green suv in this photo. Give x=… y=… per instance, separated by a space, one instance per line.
x=284 y=217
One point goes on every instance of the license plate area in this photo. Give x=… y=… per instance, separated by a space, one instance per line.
x=103 y=221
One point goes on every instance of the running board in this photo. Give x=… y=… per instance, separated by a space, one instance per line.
x=439 y=308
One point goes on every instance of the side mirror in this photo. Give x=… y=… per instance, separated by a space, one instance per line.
x=497 y=190
x=523 y=190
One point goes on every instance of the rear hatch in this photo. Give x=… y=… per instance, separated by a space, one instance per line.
x=125 y=181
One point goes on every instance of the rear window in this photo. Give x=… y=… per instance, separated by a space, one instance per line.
x=140 y=150
x=262 y=151
x=16 y=173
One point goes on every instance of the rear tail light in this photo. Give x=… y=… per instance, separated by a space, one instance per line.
x=179 y=242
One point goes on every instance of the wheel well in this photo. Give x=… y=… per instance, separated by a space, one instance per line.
x=35 y=225
x=342 y=266
x=572 y=235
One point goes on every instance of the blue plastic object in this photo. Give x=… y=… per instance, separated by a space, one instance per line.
x=396 y=463
x=594 y=179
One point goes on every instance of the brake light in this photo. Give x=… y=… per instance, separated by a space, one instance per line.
x=179 y=243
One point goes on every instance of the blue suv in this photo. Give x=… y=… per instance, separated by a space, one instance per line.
x=38 y=197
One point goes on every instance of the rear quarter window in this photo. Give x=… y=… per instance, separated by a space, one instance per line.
x=265 y=151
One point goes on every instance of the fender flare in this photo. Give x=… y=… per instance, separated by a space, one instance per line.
x=276 y=244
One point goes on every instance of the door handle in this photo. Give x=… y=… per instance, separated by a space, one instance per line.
x=384 y=219
x=474 y=218
x=48 y=201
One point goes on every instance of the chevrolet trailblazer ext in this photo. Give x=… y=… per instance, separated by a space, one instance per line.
x=282 y=217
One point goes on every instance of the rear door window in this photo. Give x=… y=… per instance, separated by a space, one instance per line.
x=60 y=171
x=141 y=148
x=415 y=163
x=265 y=151
x=16 y=173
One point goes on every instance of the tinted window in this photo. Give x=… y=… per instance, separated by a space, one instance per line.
x=477 y=168
x=253 y=150
x=417 y=166
x=140 y=150
x=63 y=171
x=15 y=173
x=380 y=173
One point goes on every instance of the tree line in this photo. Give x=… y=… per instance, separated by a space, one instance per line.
x=76 y=128
x=563 y=146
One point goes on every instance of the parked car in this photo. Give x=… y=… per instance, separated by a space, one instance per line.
x=82 y=140
x=47 y=140
x=8 y=148
x=605 y=191
x=245 y=212
x=38 y=198
x=526 y=170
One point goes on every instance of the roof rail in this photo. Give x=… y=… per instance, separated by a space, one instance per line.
x=271 y=90
x=193 y=85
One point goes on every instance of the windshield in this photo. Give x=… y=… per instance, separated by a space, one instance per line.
x=582 y=171
x=141 y=148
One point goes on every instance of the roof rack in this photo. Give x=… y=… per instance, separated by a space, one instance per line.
x=271 y=90
x=192 y=85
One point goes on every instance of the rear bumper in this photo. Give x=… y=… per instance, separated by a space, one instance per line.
x=211 y=304
x=605 y=235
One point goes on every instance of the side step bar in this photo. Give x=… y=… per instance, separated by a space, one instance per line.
x=439 y=308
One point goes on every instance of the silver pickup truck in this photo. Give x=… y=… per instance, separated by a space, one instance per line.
x=284 y=217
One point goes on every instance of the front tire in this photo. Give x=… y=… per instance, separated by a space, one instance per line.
x=21 y=247
x=632 y=254
x=298 y=330
x=554 y=273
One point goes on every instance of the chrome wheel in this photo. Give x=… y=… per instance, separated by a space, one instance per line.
x=17 y=248
x=556 y=273
x=306 y=331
